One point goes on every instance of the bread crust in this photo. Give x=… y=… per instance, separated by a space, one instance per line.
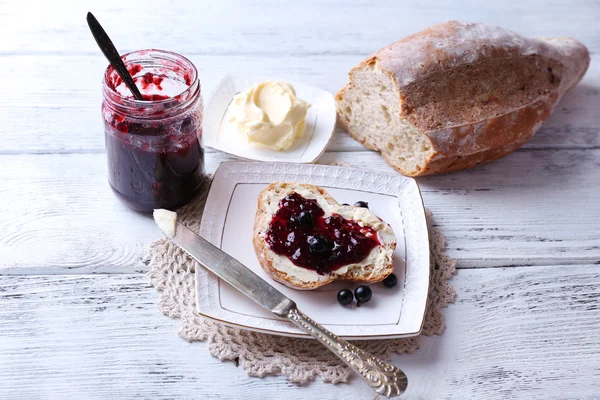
x=264 y=253
x=477 y=92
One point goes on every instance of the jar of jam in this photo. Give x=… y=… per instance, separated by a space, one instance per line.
x=154 y=147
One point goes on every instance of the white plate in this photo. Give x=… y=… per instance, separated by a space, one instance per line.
x=221 y=134
x=228 y=223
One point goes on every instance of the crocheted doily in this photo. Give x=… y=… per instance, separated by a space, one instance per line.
x=301 y=360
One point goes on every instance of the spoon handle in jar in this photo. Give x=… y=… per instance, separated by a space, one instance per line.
x=112 y=55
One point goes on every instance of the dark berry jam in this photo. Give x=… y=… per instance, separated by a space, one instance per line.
x=154 y=147
x=148 y=169
x=300 y=231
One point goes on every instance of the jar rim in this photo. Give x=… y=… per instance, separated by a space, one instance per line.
x=173 y=101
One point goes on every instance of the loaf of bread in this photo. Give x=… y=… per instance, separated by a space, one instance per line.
x=375 y=267
x=457 y=94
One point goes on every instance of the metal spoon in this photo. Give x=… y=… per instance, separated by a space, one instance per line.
x=112 y=55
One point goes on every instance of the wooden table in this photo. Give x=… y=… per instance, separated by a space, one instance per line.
x=78 y=318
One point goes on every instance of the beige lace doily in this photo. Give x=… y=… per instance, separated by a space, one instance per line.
x=301 y=360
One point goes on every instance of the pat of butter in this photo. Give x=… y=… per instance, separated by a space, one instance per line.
x=166 y=221
x=270 y=114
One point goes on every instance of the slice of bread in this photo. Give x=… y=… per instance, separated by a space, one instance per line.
x=374 y=268
x=457 y=94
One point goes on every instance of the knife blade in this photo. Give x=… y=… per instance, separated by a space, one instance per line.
x=383 y=377
x=232 y=271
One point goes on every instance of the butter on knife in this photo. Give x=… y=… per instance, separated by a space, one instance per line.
x=166 y=221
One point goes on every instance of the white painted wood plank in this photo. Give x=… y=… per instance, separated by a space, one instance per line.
x=513 y=333
x=526 y=333
x=101 y=337
x=535 y=207
x=59 y=214
x=59 y=109
x=273 y=27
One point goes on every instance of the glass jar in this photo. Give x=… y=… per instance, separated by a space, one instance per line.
x=154 y=147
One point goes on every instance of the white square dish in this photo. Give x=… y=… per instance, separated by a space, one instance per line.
x=222 y=135
x=228 y=221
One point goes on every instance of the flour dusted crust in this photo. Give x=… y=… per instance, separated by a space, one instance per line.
x=270 y=262
x=457 y=94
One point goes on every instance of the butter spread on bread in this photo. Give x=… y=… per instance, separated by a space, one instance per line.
x=373 y=266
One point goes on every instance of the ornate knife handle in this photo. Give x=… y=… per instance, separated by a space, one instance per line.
x=384 y=378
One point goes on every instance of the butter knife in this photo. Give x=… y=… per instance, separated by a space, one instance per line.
x=384 y=378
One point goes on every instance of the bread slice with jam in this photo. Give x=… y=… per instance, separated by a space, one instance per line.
x=304 y=239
